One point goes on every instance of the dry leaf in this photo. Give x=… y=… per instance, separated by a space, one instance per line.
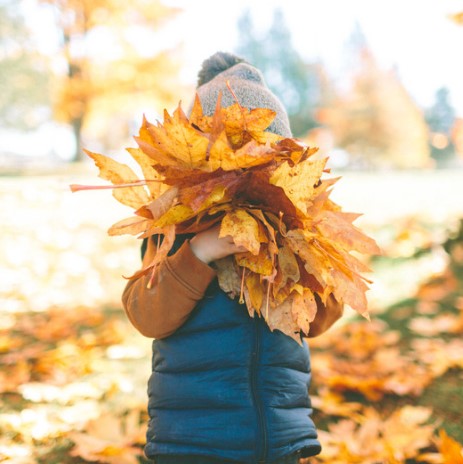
x=243 y=228
x=110 y=439
x=118 y=173
x=299 y=181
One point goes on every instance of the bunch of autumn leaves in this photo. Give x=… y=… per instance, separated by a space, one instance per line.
x=265 y=191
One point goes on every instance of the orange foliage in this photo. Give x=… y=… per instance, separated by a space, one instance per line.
x=268 y=195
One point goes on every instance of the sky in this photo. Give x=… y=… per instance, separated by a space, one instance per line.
x=414 y=36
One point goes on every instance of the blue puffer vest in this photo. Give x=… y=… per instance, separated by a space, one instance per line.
x=225 y=386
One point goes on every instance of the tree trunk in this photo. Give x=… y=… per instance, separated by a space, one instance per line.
x=77 y=131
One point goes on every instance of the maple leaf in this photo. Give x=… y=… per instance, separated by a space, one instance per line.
x=260 y=263
x=132 y=225
x=299 y=181
x=254 y=292
x=109 y=439
x=249 y=155
x=281 y=318
x=288 y=267
x=243 y=228
x=228 y=277
x=155 y=186
x=243 y=123
x=197 y=117
x=119 y=173
x=337 y=226
x=176 y=138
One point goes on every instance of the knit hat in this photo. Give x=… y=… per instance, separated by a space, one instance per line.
x=248 y=84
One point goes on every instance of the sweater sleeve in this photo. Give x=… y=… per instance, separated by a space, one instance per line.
x=179 y=283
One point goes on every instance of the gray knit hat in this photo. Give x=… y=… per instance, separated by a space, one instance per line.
x=248 y=84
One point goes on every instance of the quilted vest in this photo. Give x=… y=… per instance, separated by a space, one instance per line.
x=225 y=386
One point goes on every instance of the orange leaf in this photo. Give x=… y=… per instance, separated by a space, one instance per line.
x=450 y=449
x=337 y=226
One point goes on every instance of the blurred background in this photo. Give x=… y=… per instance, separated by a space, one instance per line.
x=377 y=86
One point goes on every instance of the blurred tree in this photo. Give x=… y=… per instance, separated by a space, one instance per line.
x=113 y=64
x=374 y=119
x=441 y=119
x=293 y=80
x=24 y=99
x=457 y=18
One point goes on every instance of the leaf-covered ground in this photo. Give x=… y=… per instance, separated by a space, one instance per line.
x=73 y=371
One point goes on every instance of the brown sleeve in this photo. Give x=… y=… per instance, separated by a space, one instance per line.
x=326 y=316
x=179 y=283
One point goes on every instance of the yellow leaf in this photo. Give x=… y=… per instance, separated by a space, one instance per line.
x=175 y=215
x=280 y=317
x=133 y=226
x=119 y=173
x=197 y=117
x=261 y=263
x=153 y=178
x=217 y=196
x=298 y=181
x=241 y=122
x=221 y=154
x=243 y=228
x=303 y=309
x=315 y=261
x=179 y=140
x=288 y=266
x=254 y=292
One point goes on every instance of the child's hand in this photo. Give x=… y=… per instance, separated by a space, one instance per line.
x=207 y=246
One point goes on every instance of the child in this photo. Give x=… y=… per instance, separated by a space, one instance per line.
x=224 y=388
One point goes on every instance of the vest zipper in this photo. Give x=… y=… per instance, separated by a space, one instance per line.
x=262 y=451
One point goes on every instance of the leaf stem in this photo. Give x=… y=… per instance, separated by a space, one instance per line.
x=138 y=183
x=242 y=286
